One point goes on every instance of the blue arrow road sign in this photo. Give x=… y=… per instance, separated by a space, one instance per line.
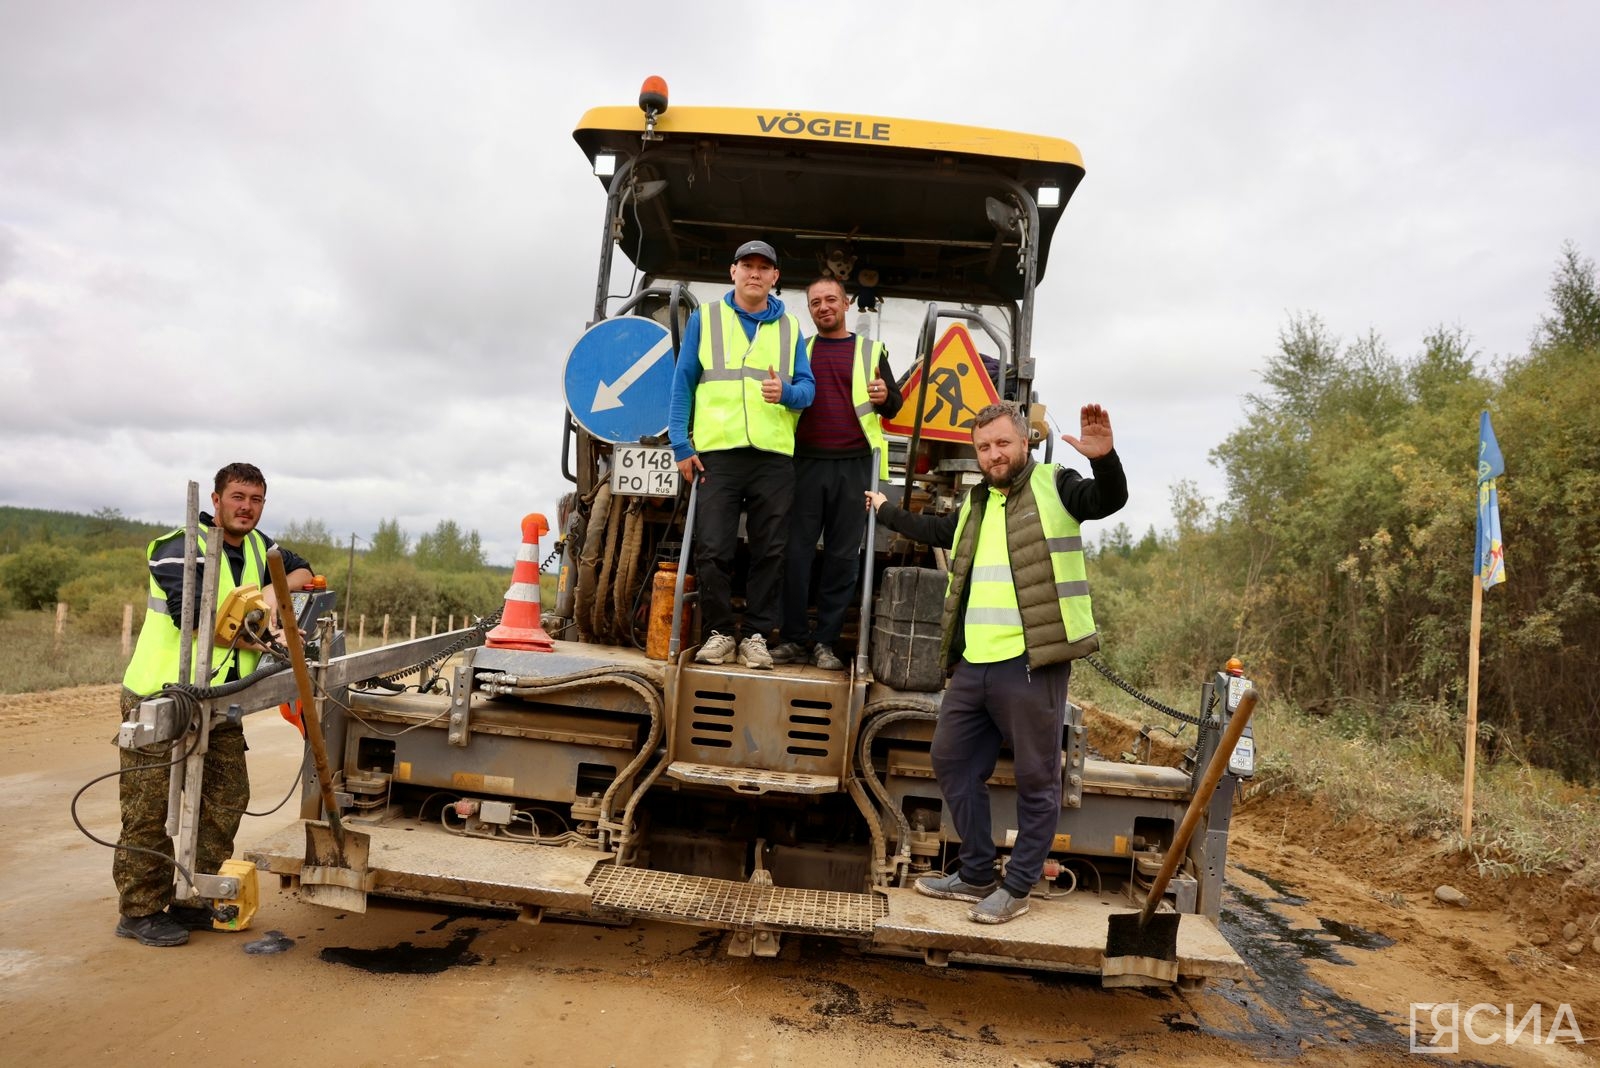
x=618 y=379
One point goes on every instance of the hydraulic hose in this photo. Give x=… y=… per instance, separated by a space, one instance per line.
x=623 y=598
x=875 y=717
x=588 y=561
x=609 y=551
x=504 y=684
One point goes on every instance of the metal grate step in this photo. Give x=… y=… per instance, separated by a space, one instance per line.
x=663 y=895
x=752 y=780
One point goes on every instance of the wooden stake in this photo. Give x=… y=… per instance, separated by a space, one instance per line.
x=361 y=630
x=386 y=628
x=61 y=622
x=1472 y=707
x=433 y=626
x=127 y=629
x=413 y=628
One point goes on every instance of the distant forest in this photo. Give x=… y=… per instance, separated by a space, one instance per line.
x=107 y=528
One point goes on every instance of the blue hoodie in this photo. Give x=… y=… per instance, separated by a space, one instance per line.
x=796 y=395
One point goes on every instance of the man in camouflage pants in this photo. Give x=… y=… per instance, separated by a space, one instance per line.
x=144 y=882
x=143 y=868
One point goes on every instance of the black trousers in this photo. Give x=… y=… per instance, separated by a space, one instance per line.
x=985 y=704
x=761 y=485
x=828 y=501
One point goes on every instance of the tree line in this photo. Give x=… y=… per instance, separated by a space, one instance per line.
x=1338 y=566
x=96 y=564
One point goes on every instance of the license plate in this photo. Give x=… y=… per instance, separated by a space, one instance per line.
x=644 y=471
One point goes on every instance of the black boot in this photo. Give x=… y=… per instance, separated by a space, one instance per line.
x=156 y=929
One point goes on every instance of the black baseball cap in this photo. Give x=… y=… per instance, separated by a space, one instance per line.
x=756 y=248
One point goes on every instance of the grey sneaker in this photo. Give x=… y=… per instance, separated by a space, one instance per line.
x=156 y=929
x=753 y=653
x=952 y=888
x=789 y=653
x=998 y=907
x=718 y=649
x=824 y=657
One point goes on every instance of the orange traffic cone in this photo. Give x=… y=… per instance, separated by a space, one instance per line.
x=519 y=624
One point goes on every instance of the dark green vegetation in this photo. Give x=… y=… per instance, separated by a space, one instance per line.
x=1339 y=566
x=96 y=565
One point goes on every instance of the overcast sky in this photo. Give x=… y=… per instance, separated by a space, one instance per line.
x=353 y=242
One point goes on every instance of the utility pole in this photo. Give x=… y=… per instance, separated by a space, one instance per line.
x=350 y=578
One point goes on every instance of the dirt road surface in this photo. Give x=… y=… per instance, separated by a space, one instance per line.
x=1338 y=921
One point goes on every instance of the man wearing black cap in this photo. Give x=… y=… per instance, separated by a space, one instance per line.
x=742 y=379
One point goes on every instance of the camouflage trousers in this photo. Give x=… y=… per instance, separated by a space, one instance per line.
x=145 y=881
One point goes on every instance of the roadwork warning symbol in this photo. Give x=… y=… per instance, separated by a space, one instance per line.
x=958 y=387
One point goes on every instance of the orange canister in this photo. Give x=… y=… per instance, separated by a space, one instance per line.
x=659 y=635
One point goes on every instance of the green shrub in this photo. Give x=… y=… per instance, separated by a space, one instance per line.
x=474 y=592
x=397 y=589
x=94 y=603
x=35 y=574
x=109 y=579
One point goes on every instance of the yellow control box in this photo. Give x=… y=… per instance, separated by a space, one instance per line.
x=242 y=907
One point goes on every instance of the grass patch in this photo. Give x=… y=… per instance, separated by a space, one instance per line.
x=1408 y=776
x=31 y=659
x=359 y=638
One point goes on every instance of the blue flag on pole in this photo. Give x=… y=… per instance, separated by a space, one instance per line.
x=1489 y=557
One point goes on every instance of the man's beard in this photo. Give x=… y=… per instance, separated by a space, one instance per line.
x=1013 y=469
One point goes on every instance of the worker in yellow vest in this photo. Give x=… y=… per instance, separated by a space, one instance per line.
x=1016 y=614
x=142 y=869
x=833 y=464
x=740 y=383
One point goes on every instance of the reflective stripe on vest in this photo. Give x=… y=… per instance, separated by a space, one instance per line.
x=992 y=625
x=866 y=358
x=155 y=658
x=1065 y=542
x=729 y=411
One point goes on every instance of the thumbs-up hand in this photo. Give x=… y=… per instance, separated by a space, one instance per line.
x=772 y=389
x=877 y=390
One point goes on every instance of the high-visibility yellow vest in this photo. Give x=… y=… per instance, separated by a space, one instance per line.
x=729 y=411
x=1034 y=581
x=992 y=623
x=155 y=658
x=866 y=359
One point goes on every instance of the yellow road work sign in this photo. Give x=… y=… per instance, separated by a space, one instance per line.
x=958 y=387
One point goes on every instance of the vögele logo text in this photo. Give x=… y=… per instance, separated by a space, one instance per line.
x=793 y=124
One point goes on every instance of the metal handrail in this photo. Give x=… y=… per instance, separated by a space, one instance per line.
x=925 y=353
x=683 y=568
x=863 y=630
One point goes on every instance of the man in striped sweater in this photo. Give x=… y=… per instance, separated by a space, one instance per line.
x=833 y=448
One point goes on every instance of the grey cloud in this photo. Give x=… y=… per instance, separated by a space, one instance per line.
x=368 y=222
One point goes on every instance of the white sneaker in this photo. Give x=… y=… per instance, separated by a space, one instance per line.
x=718 y=649
x=753 y=653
